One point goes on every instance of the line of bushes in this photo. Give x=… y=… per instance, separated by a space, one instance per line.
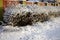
x=29 y=19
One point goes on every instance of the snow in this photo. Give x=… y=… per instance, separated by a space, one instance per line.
x=49 y=30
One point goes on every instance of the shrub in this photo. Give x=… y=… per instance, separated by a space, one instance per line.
x=21 y=20
x=27 y=19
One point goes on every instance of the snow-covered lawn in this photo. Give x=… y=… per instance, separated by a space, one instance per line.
x=49 y=30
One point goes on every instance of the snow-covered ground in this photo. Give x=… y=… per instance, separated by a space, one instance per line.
x=49 y=30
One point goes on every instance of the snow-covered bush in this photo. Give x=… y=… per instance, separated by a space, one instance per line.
x=21 y=20
x=54 y=14
x=16 y=15
x=27 y=19
x=40 y=17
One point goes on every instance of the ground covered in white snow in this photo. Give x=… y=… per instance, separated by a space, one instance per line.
x=49 y=30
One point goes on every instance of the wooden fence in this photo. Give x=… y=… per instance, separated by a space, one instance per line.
x=7 y=3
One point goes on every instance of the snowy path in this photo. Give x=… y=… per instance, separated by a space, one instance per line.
x=49 y=30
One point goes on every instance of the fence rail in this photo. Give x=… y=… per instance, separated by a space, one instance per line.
x=7 y=3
